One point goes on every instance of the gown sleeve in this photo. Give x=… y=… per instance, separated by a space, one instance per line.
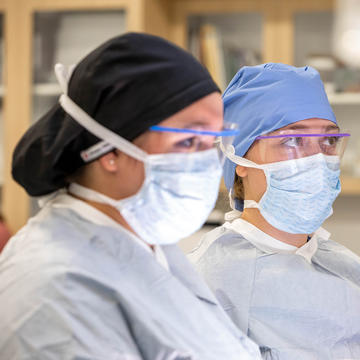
x=62 y=321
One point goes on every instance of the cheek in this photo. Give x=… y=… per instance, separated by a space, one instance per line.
x=257 y=183
x=137 y=175
x=131 y=177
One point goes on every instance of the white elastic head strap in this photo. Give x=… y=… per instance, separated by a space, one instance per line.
x=90 y=124
x=63 y=75
x=229 y=152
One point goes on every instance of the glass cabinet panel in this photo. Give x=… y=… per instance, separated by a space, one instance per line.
x=66 y=37
x=313 y=46
x=313 y=36
x=226 y=42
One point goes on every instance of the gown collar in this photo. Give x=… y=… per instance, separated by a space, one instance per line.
x=270 y=245
x=95 y=216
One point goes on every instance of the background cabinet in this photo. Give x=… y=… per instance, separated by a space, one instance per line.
x=65 y=37
x=38 y=33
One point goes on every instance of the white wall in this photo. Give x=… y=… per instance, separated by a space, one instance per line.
x=344 y=224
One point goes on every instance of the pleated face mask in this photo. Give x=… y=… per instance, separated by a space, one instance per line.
x=177 y=195
x=299 y=193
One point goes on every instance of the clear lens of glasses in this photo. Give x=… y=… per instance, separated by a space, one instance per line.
x=288 y=145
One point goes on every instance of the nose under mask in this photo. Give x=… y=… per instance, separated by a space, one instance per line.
x=299 y=193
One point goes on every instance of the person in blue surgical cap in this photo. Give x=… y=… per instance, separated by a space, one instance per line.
x=272 y=266
x=122 y=162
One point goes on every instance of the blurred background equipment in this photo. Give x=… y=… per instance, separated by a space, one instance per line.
x=346 y=38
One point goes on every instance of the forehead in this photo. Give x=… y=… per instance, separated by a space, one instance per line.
x=205 y=113
x=315 y=124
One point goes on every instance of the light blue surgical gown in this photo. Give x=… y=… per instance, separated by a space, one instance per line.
x=295 y=303
x=71 y=288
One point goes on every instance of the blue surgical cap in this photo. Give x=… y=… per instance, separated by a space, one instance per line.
x=265 y=98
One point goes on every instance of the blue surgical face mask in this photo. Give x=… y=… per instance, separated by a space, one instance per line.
x=177 y=195
x=299 y=193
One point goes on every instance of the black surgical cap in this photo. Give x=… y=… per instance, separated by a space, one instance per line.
x=128 y=84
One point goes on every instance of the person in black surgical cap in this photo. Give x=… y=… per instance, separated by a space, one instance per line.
x=125 y=165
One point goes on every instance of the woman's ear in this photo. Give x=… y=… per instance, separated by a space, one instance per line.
x=241 y=171
x=109 y=162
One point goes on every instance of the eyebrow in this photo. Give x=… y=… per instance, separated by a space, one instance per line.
x=191 y=125
x=302 y=127
x=203 y=125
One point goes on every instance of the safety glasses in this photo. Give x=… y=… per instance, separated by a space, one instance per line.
x=202 y=139
x=227 y=134
x=288 y=144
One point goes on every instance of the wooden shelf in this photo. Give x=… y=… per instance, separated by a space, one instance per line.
x=350 y=185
